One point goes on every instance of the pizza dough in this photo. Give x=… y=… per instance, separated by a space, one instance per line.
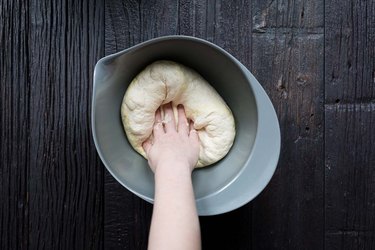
x=166 y=81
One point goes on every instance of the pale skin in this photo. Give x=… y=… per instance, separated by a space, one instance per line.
x=172 y=155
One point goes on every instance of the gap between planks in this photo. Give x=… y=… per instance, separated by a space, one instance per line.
x=362 y=106
x=350 y=232
x=288 y=30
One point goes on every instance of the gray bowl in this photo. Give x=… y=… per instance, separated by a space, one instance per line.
x=222 y=187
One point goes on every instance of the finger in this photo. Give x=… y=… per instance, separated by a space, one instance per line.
x=183 y=125
x=193 y=134
x=158 y=129
x=147 y=145
x=158 y=115
x=169 y=122
x=191 y=126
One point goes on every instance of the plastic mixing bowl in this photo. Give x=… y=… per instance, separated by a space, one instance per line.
x=224 y=186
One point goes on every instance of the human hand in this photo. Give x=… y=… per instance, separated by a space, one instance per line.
x=170 y=147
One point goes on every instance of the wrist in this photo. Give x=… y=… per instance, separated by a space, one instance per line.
x=173 y=168
x=172 y=180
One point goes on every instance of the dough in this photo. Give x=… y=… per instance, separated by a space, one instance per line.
x=166 y=81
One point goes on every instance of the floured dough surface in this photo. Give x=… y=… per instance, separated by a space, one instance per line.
x=165 y=81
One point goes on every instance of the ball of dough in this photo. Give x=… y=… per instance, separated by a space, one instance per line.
x=165 y=81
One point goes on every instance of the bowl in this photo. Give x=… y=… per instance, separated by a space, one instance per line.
x=224 y=186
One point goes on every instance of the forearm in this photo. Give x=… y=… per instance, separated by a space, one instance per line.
x=175 y=223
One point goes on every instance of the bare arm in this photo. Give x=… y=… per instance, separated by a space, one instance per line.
x=172 y=156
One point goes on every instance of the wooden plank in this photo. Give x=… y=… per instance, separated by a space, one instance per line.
x=225 y=23
x=287 y=59
x=122 y=25
x=65 y=175
x=229 y=25
x=349 y=157
x=350 y=240
x=14 y=120
x=349 y=176
x=280 y=14
x=127 y=218
x=350 y=51
x=229 y=231
x=232 y=26
x=193 y=18
x=289 y=212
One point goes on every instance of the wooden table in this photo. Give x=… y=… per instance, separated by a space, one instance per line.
x=315 y=59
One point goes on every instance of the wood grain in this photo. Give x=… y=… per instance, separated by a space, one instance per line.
x=231 y=230
x=349 y=122
x=350 y=51
x=127 y=218
x=288 y=61
x=271 y=14
x=193 y=18
x=229 y=29
x=14 y=120
x=65 y=178
x=350 y=175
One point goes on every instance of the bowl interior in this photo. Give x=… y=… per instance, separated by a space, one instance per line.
x=113 y=74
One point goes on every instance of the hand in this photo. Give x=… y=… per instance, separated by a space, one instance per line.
x=169 y=147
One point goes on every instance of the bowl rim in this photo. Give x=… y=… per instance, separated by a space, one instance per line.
x=267 y=123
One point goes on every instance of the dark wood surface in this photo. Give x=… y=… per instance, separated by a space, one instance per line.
x=315 y=59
